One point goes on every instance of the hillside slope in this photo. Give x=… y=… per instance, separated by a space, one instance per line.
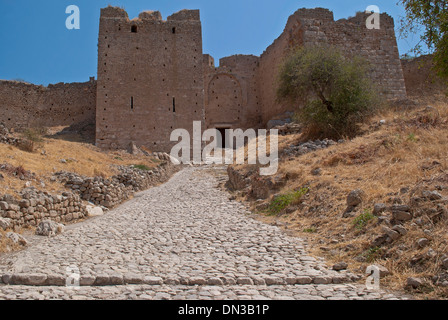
x=380 y=198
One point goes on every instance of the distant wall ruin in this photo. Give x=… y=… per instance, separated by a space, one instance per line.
x=24 y=105
x=421 y=78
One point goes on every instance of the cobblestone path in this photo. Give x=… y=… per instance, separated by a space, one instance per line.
x=182 y=240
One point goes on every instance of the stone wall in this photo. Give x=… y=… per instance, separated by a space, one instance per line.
x=315 y=26
x=24 y=105
x=111 y=192
x=35 y=206
x=231 y=92
x=378 y=47
x=150 y=78
x=420 y=77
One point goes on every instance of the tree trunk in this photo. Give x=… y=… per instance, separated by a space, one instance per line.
x=327 y=103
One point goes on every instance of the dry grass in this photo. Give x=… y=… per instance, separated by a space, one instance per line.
x=6 y=245
x=82 y=158
x=409 y=151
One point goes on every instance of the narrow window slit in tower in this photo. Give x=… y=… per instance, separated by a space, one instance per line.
x=174 y=30
x=134 y=29
x=174 y=104
x=132 y=103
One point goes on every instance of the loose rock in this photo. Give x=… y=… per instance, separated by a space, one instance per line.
x=17 y=238
x=94 y=211
x=400 y=229
x=5 y=223
x=414 y=282
x=340 y=266
x=379 y=208
x=431 y=195
x=423 y=242
x=355 y=198
x=49 y=228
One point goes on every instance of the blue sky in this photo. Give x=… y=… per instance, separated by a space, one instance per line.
x=36 y=46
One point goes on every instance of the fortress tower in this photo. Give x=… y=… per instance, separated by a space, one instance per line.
x=150 y=78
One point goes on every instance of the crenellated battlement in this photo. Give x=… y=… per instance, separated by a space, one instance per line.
x=121 y=14
x=316 y=14
x=185 y=15
x=114 y=12
x=150 y=15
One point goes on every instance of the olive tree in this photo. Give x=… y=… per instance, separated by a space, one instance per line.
x=333 y=94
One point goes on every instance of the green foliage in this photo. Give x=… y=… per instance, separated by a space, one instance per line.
x=32 y=138
x=282 y=201
x=363 y=219
x=141 y=167
x=412 y=137
x=430 y=18
x=372 y=254
x=310 y=230
x=333 y=93
x=118 y=158
x=34 y=134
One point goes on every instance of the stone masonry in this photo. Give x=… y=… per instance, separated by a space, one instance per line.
x=34 y=206
x=150 y=78
x=153 y=77
x=24 y=105
x=309 y=27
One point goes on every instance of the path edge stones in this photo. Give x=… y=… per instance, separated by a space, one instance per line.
x=41 y=279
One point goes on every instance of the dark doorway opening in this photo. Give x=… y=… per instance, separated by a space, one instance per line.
x=223 y=142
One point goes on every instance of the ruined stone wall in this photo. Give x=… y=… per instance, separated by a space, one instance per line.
x=36 y=206
x=315 y=26
x=420 y=77
x=150 y=78
x=231 y=92
x=378 y=47
x=24 y=105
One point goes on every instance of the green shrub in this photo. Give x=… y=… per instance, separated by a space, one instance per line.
x=31 y=139
x=412 y=137
x=34 y=134
x=310 y=230
x=282 y=201
x=372 y=254
x=361 y=221
x=333 y=94
x=141 y=167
